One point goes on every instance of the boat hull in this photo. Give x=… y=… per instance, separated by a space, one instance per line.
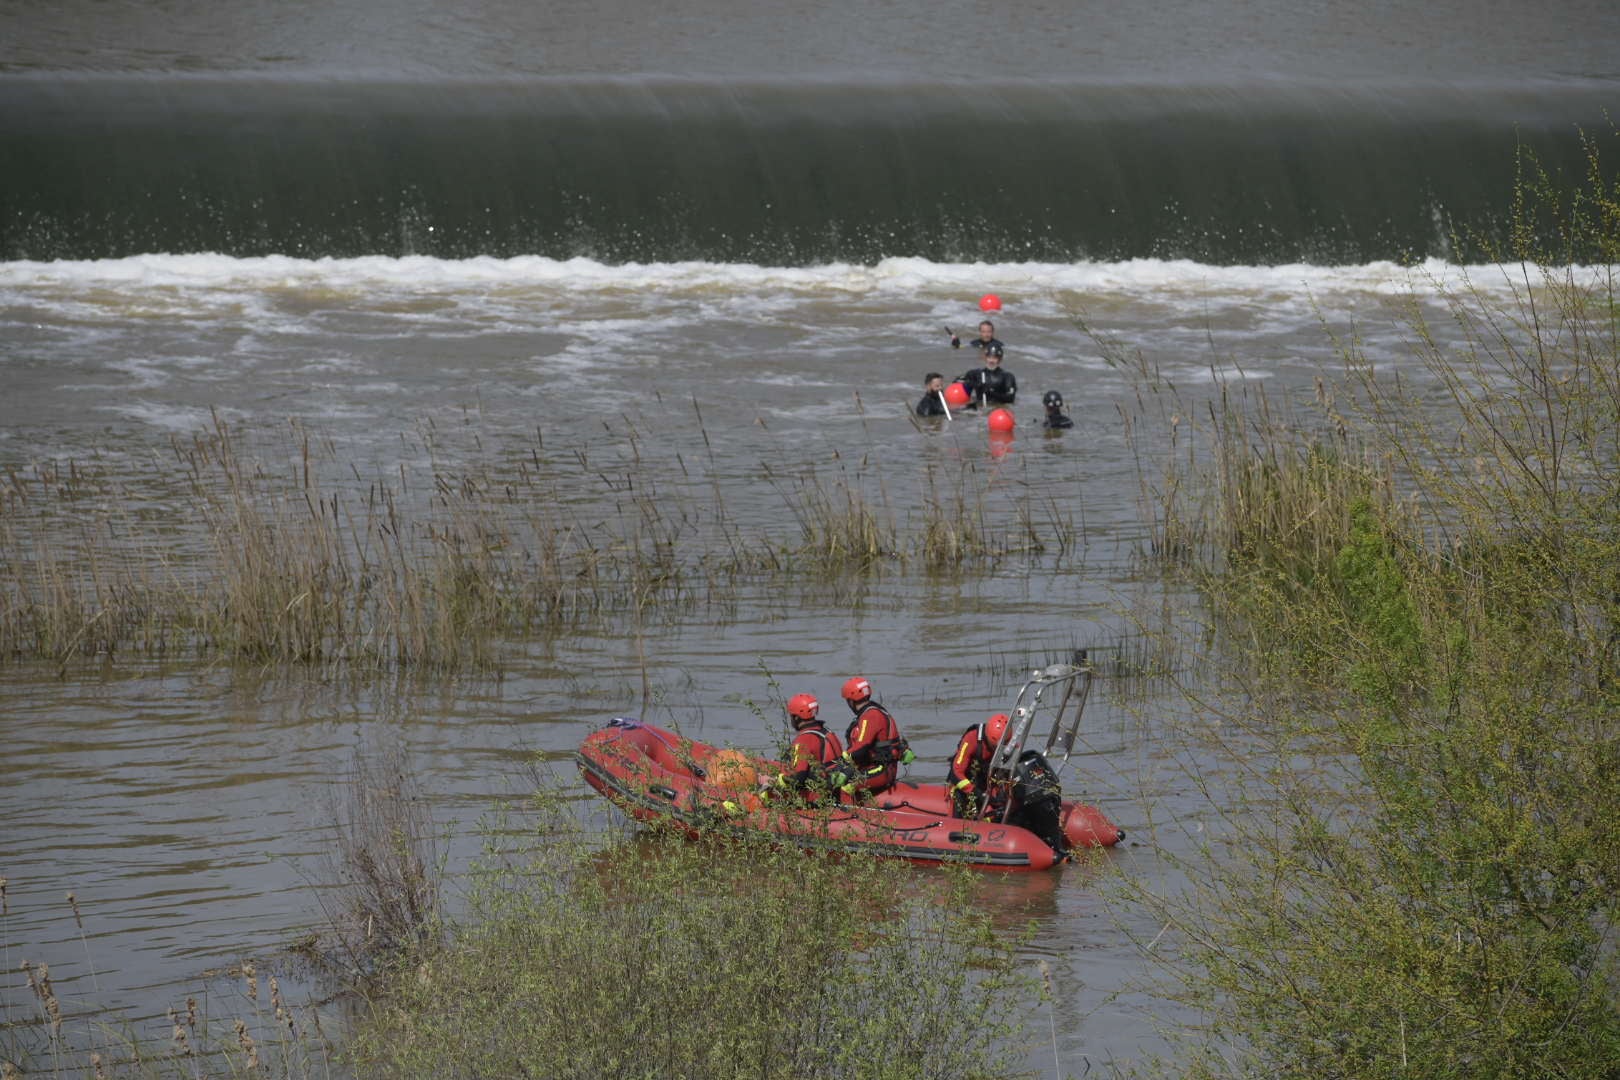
x=655 y=775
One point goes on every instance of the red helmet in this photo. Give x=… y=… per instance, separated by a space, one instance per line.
x=857 y=689
x=995 y=728
x=803 y=707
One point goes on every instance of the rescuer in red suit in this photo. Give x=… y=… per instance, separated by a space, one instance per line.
x=970 y=766
x=813 y=751
x=876 y=750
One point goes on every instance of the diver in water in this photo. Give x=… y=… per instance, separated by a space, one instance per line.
x=933 y=399
x=1055 y=419
x=992 y=383
x=984 y=342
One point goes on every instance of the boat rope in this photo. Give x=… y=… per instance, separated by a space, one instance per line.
x=683 y=756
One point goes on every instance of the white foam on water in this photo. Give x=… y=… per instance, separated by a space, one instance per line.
x=171 y=417
x=336 y=365
x=1015 y=283
x=794 y=379
x=289 y=336
x=146 y=373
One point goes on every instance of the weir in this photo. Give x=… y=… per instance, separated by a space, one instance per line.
x=789 y=173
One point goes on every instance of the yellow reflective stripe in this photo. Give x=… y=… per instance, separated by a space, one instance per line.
x=960 y=763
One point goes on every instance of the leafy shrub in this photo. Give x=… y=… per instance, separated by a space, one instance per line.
x=659 y=957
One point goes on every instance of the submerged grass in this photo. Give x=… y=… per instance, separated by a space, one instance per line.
x=242 y=1025
x=290 y=553
x=381 y=888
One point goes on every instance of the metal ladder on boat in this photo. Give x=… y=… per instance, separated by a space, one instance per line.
x=1070 y=683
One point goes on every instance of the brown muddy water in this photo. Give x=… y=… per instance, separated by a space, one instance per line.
x=185 y=801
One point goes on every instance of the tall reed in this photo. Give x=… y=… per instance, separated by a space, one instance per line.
x=68 y=1032
x=1415 y=600
x=270 y=548
x=381 y=885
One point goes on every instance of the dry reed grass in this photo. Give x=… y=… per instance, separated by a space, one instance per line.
x=381 y=885
x=1415 y=611
x=71 y=1033
x=287 y=552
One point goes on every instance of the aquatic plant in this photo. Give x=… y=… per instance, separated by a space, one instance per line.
x=266 y=548
x=70 y=1033
x=380 y=888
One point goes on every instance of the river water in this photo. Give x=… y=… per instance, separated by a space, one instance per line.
x=714 y=250
x=186 y=802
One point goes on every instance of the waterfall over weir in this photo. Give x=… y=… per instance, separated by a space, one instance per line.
x=779 y=173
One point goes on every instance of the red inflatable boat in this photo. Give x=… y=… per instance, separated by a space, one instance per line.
x=656 y=775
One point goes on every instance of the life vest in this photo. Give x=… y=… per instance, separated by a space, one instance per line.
x=884 y=751
x=830 y=751
x=982 y=755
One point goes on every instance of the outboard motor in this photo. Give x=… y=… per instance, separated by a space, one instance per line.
x=1038 y=800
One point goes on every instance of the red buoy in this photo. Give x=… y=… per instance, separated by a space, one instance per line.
x=1001 y=420
x=989 y=302
x=956 y=395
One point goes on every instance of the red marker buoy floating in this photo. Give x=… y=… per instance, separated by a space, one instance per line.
x=956 y=395
x=1001 y=420
x=989 y=302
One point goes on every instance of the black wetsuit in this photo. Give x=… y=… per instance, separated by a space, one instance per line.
x=998 y=386
x=1057 y=420
x=993 y=345
x=930 y=405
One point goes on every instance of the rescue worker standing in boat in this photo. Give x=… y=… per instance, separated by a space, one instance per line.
x=876 y=750
x=970 y=766
x=814 y=748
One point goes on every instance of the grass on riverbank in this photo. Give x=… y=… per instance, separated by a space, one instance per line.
x=659 y=956
x=575 y=951
x=1417 y=598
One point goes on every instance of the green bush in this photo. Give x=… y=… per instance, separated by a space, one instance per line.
x=1424 y=877
x=659 y=957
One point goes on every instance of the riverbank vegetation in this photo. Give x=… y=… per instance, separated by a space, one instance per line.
x=1413 y=585
x=584 y=955
x=236 y=1022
